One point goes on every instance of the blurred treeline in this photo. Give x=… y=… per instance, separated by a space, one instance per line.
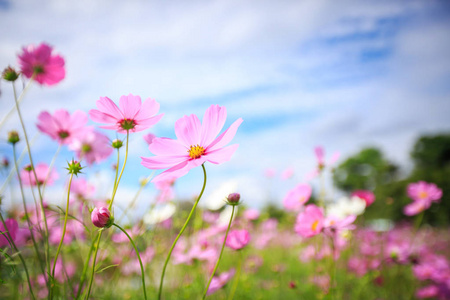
x=370 y=169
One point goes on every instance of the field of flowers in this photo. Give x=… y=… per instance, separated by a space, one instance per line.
x=317 y=247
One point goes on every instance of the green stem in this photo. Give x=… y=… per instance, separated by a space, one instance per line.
x=181 y=232
x=86 y=265
x=33 y=169
x=121 y=173
x=63 y=233
x=220 y=256
x=117 y=172
x=93 y=263
x=27 y=217
x=139 y=257
x=19 y=254
x=236 y=279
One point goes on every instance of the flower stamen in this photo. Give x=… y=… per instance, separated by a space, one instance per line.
x=196 y=151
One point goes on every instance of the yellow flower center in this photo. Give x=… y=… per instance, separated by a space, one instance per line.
x=423 y=195
x=196 y=151
x=314 y=225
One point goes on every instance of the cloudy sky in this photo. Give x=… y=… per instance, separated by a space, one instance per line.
x=342 y=74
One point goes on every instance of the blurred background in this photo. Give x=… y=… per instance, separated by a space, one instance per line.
x=367 y=79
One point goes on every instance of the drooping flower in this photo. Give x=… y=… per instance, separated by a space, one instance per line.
x=237 y=239
x=101 y=217
x=61 y=126
x=367 y=196
x=48 y=69
x=310 y=221
x=197 y=143
x=133 y=115
x=219 y=281
x=42 y=174
x=92 y=146
x=297 y=197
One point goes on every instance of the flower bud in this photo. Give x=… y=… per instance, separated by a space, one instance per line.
x=101 y=217
x=28 y=168
x=13 y=137
x=9 y=74
x=233 y=198
x=74 y=167
x=117 y=144
x=5 y=162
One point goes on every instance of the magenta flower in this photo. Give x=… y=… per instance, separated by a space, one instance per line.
x=237 y=239
x=12 y=227
x=48 y=69
x=219 y=281
x=196 y=144
x=365 y=195
x=133 y=115
x=92 y=146
x=42 y=174
x=309 y=222
x=101 y=217
x=424 y=191
x=297 y=197
x=423 y=195
x=430 y=291
x=62 y=126
x=149 y=138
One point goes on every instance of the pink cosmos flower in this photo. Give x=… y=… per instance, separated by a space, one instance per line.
x=81 y=188
x=251 y=214
x=133 y=115
x=320 y=156
x=166 y=190
x=297 y=197
x=149 y=138
x=430 y=291
x=101 y=217
x=237 y=239
x=42 y=173
x=310 y=221
x=12 y=227
x=62 y=126
x=366 y=195
x=219 y=281
x=288 y=173
x=424 y=191
x=92 y=146
x=196 y=144
x=48 y=68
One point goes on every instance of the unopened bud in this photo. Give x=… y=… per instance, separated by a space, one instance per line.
x=74 y=167
x=233 y=198
x=13 y=137
x=117 y=144
x=9 y=74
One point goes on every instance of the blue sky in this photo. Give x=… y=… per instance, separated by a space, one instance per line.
x=342 y=74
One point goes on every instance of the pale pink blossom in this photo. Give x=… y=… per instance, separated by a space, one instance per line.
x=81 y=188
x=237 y=239
x=92 y=146
x=42 y=174
x=47 y=68
x=310 y=221
x=251 y=214
x=62 y=126
x=11 y=227
x=219 y=281
x=133 y=115
x=197 y=143
x=288 y=173
x=270 y=172
x=149 y=138
x=297 y=197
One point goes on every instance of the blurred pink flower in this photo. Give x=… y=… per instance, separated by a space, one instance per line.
x=415 y=208
x=297 y=197
x=101 y=217
x=61 y=126
x=424 y=191
x=166 y=190
x=430 y=291
x=237 y=239
x=196 y=144
x=149 y=138
x=365 y=195
x=320 y=156
x=270 y=172
x=132 y=116
x=12 y=227
x=48 y=68
x=219 y=281
x=310 y=221
x=81 y=188
x=92 y=146
x=42 y=174
x=288 y=173
x=251 y=214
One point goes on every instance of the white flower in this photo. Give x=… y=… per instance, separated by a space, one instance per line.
x=159 y=214
x=216 y=199
x=345 y=207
